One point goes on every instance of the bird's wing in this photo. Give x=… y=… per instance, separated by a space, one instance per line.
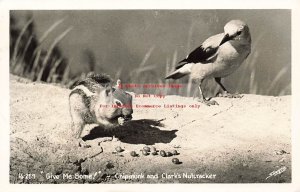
x=205 y=52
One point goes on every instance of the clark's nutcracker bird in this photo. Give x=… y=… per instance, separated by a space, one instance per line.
x=217 y=57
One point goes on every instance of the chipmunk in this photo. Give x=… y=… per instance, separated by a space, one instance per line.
x=96 y=100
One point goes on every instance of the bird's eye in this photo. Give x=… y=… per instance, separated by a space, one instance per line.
x=239 y=32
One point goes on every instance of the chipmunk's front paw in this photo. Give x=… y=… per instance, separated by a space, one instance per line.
x=83 y=144
x=121 y=121
x=124 y=119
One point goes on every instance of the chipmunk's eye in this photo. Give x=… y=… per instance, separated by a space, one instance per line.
x=107 y=91
x=118 y=103
x=239 y=32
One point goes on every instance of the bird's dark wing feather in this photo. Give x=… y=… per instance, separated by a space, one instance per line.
x=204 y=53
x=200 y=54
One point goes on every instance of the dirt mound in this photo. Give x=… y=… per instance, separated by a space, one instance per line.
x=241 y=140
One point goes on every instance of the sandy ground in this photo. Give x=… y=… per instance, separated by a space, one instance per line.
x=240 y=141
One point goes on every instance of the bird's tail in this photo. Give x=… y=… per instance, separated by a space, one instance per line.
x=175 y=75
x=184 y=70
x=183 y=60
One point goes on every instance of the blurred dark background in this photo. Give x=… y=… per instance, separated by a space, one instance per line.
x=142 y=46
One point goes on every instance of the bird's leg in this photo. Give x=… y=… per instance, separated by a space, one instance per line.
x=226 y=93
x=203 y=100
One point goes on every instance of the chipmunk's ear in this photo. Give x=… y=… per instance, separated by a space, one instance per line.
x=118 y=85
x=132 y=94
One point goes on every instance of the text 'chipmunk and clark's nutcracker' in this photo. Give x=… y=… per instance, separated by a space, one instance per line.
x=217 y=57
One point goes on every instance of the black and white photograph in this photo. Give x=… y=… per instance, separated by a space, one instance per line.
x=150 y=96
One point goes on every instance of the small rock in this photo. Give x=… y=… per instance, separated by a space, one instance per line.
x=133 y=154
x=169 y=154
x=174 y=152
x=162 y=153
x=119 y=149
x=145 y=153
x=153 y=149
x=175 y=161
x=146 y=148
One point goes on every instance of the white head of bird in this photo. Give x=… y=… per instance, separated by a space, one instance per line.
x=236 y=30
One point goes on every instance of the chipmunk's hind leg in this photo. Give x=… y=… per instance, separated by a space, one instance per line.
x=77 y=112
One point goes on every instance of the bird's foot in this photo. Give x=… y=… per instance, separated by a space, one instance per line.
x=229 y=95
x=208 y=102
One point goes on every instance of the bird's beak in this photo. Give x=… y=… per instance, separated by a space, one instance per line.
x=225 y=39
